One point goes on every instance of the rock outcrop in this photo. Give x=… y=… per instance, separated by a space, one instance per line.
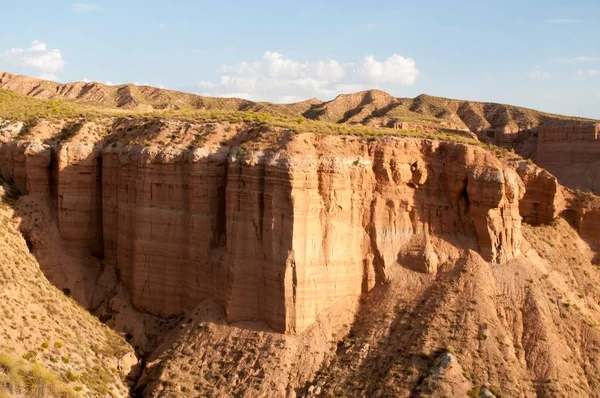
x=588 y=222
x=569 y=150
x=447 y=379
x=272 y=235
x=543 y=200
x=279 y=237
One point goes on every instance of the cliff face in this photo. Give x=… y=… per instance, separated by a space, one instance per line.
x=569 y=150
x=275 y=235
x=543 y=200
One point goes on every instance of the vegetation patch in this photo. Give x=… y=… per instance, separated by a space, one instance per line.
x=22 y=379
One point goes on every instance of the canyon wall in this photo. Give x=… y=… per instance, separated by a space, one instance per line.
x=570 y=150
x=276 y=235
x=543 y=200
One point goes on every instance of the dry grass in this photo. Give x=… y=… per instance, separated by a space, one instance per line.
x=52 y=341
x=15 y=106
x=20 y=378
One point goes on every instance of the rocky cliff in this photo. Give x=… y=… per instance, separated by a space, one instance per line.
x=273 y=233
x=569 y=150
x=543 y=200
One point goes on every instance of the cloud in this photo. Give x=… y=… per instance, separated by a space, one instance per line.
x=576 y=60
x=85 y=8
x=48 y=76
x=588 y=73
x=280 y=79
x=106 y=82
x=157 y=85
x=47 y=62
x=395 y=69
x=539 y=75
x=562 y=21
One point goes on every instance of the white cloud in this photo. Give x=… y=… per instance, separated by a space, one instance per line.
x=47 y=62
x=395 y=69
x=85 y=8
x=48 y=76
x=157 y=85
x=280 y=79
x=562 y=21
x=588 y=73
x=539 y=75
x=108 y=82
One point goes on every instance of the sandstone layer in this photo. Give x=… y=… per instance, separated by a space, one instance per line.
x=569 y=150
x=272 y=234
x=543 y=200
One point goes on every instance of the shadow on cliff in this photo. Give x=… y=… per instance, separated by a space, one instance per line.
x=400 y=345
x=93 y=281
x=401 y=340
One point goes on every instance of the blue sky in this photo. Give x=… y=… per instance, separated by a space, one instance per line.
x=540 y=54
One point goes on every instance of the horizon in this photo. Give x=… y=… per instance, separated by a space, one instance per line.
x=546 y=59
x=292 y=103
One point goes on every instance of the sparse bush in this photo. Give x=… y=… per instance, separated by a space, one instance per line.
x=30 y=380
x=31 y=354
x=72 y=377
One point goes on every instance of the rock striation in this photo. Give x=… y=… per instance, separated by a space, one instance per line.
x=543 y=200
x=276 y=235
x=569 y=150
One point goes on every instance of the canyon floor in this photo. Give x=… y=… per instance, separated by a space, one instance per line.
x=162 y=244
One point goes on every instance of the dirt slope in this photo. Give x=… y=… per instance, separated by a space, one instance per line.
x=525 y=328
x=50 y=345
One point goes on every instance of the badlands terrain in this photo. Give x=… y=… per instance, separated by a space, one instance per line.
x=162 y=244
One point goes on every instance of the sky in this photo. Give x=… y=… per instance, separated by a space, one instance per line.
x=539 y=54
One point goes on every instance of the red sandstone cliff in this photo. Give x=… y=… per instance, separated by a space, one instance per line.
x=569 y=150
x=276 y=235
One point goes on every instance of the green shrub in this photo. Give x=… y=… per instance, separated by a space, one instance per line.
x=31 y=354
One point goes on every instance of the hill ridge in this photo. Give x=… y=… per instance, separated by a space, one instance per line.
x=373 y=107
